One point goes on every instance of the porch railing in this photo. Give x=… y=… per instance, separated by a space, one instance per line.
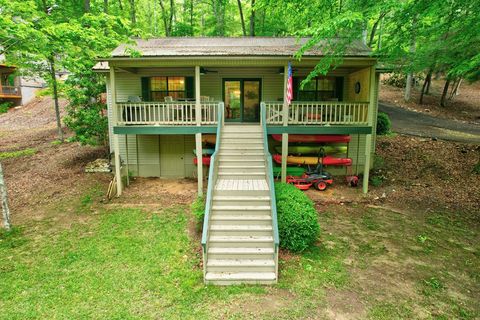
x=10 y=90
x=165 y=113
x=318 y=113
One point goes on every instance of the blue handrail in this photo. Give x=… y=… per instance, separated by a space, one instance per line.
x=268 y=159
x=212 y=177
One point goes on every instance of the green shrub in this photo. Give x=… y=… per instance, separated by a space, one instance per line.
x=396 y=79
x=384 y=125
x=4 y=106
x=198 y=211
x=298 y=226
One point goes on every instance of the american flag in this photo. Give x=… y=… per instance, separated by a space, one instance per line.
x=289 y=93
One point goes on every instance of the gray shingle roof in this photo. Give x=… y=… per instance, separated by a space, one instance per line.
x=218 y=46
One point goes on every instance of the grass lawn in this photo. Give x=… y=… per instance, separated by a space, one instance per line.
x=122 y=263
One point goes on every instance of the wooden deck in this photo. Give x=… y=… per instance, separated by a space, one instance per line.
x=243 y=185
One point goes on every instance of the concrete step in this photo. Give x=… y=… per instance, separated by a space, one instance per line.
x=241 y=265
x=228 y=278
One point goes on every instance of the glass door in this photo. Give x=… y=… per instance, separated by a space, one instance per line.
x=233 y=100
x=251 y=100
x=242 y=99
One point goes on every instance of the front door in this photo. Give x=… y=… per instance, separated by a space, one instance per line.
x=242 y=99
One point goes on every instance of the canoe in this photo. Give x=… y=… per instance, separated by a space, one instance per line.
x=207 y=151
x=328 y=160
x=205 y=160
x=209 y=138
x=291 y=171
x=314 y=137
x=330 y=149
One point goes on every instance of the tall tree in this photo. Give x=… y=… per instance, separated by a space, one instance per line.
x=4 y=200
x=252 y=18
x=168 y=14
x=242 y=20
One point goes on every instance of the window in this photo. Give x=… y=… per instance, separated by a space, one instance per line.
x=318 y=89
x=161 y=87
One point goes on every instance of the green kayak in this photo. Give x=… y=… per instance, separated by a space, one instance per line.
x=291 y=171
x=330 y=149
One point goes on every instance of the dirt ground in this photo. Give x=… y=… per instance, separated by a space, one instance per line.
x=54 y=172
x=464 y=107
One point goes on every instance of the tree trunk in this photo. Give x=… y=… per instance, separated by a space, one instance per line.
x=4 y=196
x=427 y=80
x=252 y=19
x=408 y=87
x=105 y=6
x=242 y=20
x=86 y=6
x=427 y=89
x=413 y=43
x=53 y=77
x=192 y=30
x=133 y=14
x=454 y=90
x=444 y=93
x=374 y=28
x=120 y=5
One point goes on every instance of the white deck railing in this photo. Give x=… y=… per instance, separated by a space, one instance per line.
x=165 y=113
x=319 y=113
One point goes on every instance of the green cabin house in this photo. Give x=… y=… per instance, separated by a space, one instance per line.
x=217 y=102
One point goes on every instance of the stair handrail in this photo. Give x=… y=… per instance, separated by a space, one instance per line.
x=268 y=161
x=212 y=178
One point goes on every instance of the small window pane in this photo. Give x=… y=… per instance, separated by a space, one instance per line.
x=308 y=86
x=325 y=84
x=176 y=83
x=158 y=83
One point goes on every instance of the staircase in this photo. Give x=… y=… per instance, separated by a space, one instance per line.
x=240 y=244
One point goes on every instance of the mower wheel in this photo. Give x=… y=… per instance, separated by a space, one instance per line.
x=320 y=185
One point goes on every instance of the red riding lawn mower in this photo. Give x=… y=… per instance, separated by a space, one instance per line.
x=320 y=179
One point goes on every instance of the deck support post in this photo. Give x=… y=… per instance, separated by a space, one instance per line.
x=126 y=160
x=116 y=144
x=285 y=123
x=198 y=136
x=368 y=138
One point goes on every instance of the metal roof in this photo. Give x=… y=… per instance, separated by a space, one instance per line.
x=230 y=46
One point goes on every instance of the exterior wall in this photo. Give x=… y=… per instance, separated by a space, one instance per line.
x=363 y=77
x=159 y=156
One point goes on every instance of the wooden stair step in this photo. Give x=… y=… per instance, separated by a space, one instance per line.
x=240 y=263
x=240 y=208
x=241 y=198
x=241 y=239
x=241 y=276
x=235 y=251
x=246 y=227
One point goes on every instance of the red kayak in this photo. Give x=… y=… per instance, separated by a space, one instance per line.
x=327 y=160
x=314 y=137
x=205 y=160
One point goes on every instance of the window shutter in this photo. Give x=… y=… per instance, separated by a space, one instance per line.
x=190 y=87
x=339 y=88
x=146 y=89
x=296 y=86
